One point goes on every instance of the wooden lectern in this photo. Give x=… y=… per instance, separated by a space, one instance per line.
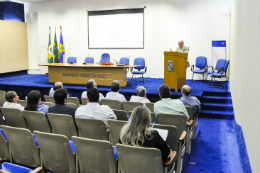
x=175 y=64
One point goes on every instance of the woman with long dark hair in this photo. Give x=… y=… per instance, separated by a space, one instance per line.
x=33 y=100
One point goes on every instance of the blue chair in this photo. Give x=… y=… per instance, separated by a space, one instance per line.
x=141 y=62
x=89 y=60
x=219 y=72
x=9 y=167
x=124 y=60
x=105 y=57
x=220 y=63
x=201 y=63
x=72 y=60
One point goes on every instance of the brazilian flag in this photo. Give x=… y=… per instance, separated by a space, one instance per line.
x=55 y=50
x=50 y=54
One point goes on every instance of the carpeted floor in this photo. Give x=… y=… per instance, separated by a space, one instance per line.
x=215 y=149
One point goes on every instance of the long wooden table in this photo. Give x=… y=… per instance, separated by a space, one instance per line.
x=80 y=73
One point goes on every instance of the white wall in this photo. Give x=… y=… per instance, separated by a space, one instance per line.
x=166 y=21
x=244 y=73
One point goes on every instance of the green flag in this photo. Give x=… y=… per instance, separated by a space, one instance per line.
x=55 y=49
x=50 y=54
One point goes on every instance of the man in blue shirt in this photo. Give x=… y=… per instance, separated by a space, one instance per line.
x=60 y=97
x=190 y=100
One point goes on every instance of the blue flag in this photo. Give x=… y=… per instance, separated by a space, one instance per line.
x=61 y=48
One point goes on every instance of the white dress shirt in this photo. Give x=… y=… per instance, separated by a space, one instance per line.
x=115 y=96
x=13 y=105
x=139 y=99
x=94 y=110
x=84 y=95
x=51 y=93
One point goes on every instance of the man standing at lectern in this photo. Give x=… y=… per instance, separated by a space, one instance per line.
x=183 y=49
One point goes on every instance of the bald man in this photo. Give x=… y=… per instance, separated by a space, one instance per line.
x=56 y=86
x=190 y=100
x=183 y=49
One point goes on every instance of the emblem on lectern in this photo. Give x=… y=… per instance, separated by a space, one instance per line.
x=170 y=66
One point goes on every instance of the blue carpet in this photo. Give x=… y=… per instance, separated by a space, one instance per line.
x=215 y=149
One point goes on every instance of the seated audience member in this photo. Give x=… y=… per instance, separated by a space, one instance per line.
x=93 y=110
x=33 y=100
x=137 y=132
x=91 y=84
x=115 y=95
x=12 y=98
x=56 y=85
x=141 y=96
x=60 y=97
x=190 y=100
x=168 y=105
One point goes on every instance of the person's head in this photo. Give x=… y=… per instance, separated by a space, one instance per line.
x=11 y=97
x=164 y=91
x=60 y=96
x=180 y=43
x=138 y=127
x=115 y=86
x=141 y=91
x=185 y=90
x=57 y=85
x=92 y=95
x=33 y=99
x=91 y=84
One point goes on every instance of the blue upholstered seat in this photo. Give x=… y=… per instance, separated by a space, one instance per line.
x=141 y=63
x=220 y=71
x=105 y=57
x=89 y=60
x=72 y=60
x=9 y=167
x=201 y=63
x=124 y=60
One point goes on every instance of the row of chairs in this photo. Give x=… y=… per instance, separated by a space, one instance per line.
x=53 y=153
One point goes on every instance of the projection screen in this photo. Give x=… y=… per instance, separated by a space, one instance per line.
x=116 y=29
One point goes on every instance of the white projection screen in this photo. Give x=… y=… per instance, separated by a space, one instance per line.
x=116 y=29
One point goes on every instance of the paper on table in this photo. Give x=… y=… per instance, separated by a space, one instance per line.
x=162 y=132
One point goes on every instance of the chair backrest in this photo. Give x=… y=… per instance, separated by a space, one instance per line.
x=177 y=120
x=72 y=59
x=37 y=121
x=124 y=60
x=74 y=100
x=153 y=118
x=115 y=127
x=22 y=102
x=56 y=153
x=13 y=117
x=226 y=66
x=47 y=103
x=91 y=128
x=172 y=138
x=120 y=115
x=113 y=104
x=130 y=106
x=105 y=57
x=22 y=147
x=2 y=98
x=141 y=62
x=150 y=106
x=201 y=62
x=139 y=159
x=221 y=63
x=49 y=99
x=83 y=101
x=63 y=124
x=95 y=155
x=4 y=151
x=190 y=111
x=89 y=60
x=72 y=104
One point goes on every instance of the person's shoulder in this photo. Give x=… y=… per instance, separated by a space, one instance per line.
x=105 y=107
x=43 y=106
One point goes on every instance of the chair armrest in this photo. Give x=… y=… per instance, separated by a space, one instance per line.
x=190 y=123
x=183 y=135
x=206 y=68
x=220 y=69
x=37 y=170
x=210 y=67
x=1 y=161
x=192 y=68
x=170 y=160
x=145 y=69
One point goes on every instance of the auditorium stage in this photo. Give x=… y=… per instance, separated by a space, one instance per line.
x=22 y=83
